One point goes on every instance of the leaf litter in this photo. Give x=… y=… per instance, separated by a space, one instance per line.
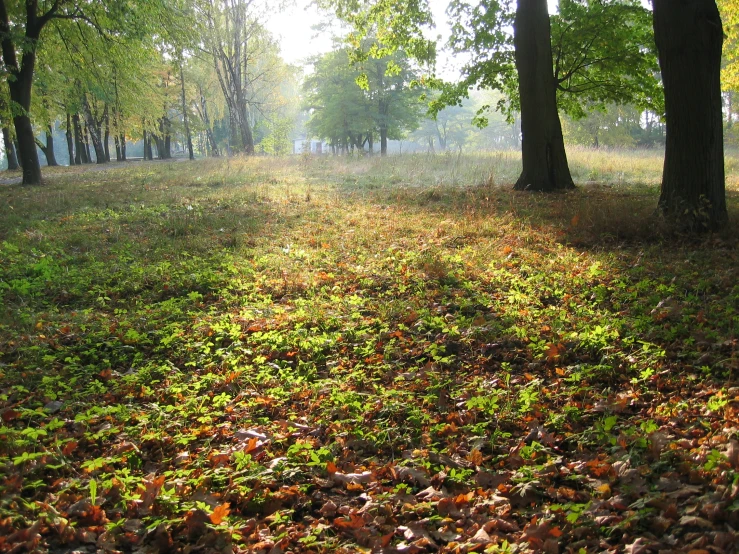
x=389 y=390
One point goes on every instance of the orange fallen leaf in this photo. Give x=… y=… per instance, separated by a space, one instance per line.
x=354 y=522
x=220 y=513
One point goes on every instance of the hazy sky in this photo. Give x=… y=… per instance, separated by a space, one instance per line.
x=298 y=41
x=293 y=29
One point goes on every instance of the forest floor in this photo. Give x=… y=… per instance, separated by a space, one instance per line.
x=398 y=355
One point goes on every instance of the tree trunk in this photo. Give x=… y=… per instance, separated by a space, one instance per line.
x=122 y=140
x=164 y=143
x=543 y=152
x=86 y=138
x=191 y=154
x=247 y=137
x=208 y=127
x=9 y=150
x=106 y=138
x=689 y=40
x=94 y=130
x=70 y=140
x=20 y=93
x=79 y=147
x=159 y=144
x=49 y=151
x=383 y=141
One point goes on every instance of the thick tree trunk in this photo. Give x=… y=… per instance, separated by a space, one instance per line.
x=20 y=83
x=159 y=144
x=383 y=141
x=247 y=137
x=689 y=40
x=70 y=140
x=10 y=150
x=49 y=151
x=122 y=140
x=543 y=152
x=20 y=93
x=28 y=156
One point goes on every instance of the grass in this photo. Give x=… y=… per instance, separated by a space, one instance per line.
x=322 y=354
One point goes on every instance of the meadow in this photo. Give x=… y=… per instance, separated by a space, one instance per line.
x=320 y=354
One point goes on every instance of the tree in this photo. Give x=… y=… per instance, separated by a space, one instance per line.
x=19 y=34
x=535 y=79
x=233 y=37
x=389 y=85
x=689 y=39
x=340 y=109
x=449 y=129
x=543 y=149
x=353 y=116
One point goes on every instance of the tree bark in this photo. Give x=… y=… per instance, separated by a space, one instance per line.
x=106 y=138
x=543 y=152
x=206 y=122
x=86 y=138
x=79 y=148
x=94 y=128
x=689 y=39
x=184 y=114
x=48 y=150
x=20 y=84
x=10 y=150
x=70 y=140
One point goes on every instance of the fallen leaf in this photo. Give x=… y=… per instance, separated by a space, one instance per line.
x=354 y=522
x=220 y=513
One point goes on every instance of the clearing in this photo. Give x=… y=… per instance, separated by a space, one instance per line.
x=336 y=355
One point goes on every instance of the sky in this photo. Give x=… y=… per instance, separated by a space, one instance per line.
x=292 y=27
x=298 y=41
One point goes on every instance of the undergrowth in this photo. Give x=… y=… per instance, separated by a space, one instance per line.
x=402 y=354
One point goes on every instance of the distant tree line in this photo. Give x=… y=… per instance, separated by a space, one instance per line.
x=108 y=72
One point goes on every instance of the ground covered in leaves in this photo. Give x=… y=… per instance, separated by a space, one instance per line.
x=323 y=355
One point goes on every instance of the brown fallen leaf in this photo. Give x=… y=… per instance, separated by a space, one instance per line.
x=447 y=507
x=328 y=509
x=695 y=521
x=415 y=475
x=417 y=531
x=502 y=525
x=353 y=478
x=354 y=522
